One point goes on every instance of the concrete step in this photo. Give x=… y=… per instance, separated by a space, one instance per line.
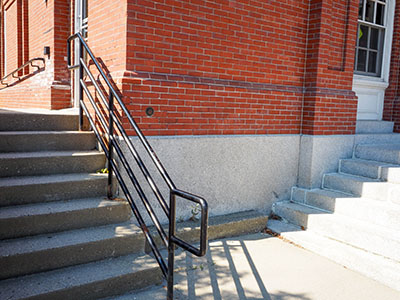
x=87 y=281
x=35 y=189
x=389 y=153
x=362 y=186
x=373 y=238
x=379 y=268
x=366 y=126
x=371 y=169
x=377 y=138
x=31 y=141
x=218 y=227
x=55 y=250
x=376 y=212
x=103 y=278
x=32 y=219
x=19 y=121
x=50 y=162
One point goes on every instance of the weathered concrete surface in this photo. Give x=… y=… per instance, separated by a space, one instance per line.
x=233 y=173
x=320 y=155
x=36 y=189
x=369 y=126
x=260 y=267
x=235 y=224
x=50 y=162
x=31 y=141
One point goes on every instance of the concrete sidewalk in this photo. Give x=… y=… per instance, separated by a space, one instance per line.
x=259 y=266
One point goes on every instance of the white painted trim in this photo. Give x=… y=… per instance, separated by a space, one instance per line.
x=5 y=42
x=77 y=25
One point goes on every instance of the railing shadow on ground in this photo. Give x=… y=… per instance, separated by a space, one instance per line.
x=228 y=271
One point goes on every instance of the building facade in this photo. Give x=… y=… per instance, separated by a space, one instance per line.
x=250 y=98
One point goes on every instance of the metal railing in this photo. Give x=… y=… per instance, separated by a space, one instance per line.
x=110 y=146
x=29 y=62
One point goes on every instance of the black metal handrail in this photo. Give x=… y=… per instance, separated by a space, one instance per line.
x=110 y=146
x=29 y=62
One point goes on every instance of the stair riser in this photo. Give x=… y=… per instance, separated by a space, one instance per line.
x=47 y=142
x=29 y=263
x=383 y=155
x=357 y=209
x=33 y=122
x=215 y=230
x=55 y=222
x=359 y=169
x=385 y=173
x=105 y=288
x=374 y=127
x=51 y=165
x=326 y=225
x=373 y=190
x=36 y=193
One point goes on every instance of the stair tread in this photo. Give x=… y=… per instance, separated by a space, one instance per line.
x=55 y=207
x=76 y=276
x=40 y=154
x=301 y=208
x=24 y=180
x=339 y=219
x=66 y=238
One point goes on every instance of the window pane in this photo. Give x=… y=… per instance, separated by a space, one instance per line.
x=361 y=60
x=380 y=13
x=363 y=36
x=369 y=11
x=360 y=9
x=372 y=62
x=374 y=39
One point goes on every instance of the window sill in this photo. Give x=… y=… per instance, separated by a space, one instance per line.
x=369 y=82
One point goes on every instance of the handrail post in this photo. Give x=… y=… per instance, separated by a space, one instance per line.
x=80 y=90
x=110 y=142
x=171 y=246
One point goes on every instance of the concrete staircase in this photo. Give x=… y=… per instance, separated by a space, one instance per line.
x=60 y=237
x=354 y=218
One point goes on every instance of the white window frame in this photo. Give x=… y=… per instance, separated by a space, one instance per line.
x=383 y=80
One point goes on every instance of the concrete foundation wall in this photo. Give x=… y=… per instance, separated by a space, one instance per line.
x=233 y=173
x=238 y=173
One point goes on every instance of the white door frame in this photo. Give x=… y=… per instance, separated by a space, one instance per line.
x=79 y=24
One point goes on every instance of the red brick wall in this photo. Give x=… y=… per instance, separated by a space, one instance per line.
x=240 y=67
x=12 y=33
x=220 y=67
x=39 y=23
x=391 y=111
